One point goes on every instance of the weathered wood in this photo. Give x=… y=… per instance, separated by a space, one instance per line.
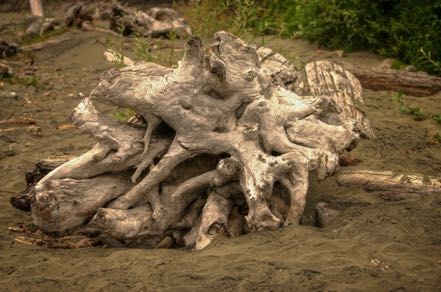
x=156 y=22
x=7 y=49
x=411 y=83
x=221 y=126
x=36 y=7
x=45 y=44
x=389 y=181
x=22 y=201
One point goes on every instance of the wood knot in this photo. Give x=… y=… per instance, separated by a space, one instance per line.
x=194 y=42
x=217 y=67
x=250 y=75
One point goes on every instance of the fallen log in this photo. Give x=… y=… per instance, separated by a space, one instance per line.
x=411 y=83
x=389 y=181
x=225 y=148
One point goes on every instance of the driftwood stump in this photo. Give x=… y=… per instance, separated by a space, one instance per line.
x=226 y=148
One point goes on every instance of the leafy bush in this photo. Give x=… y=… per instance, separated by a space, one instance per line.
x=406 y=29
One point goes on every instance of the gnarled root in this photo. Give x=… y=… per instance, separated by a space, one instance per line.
x=235 y=154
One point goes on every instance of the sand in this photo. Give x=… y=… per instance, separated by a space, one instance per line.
x=373 y=245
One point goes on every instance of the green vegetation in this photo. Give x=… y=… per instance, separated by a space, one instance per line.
x=241 y=17
x=142 y=49
x=414 y=111
x=28 y=40
x=123 y=115
x=404 y=29
x=406 y=109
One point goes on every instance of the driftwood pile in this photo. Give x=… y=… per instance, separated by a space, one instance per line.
x=225 y=147
x=156 y=22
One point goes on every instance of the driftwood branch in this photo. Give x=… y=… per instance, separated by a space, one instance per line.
x=388 y=181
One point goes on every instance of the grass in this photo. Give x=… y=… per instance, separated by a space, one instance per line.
x=123 y=115
x=142 y=49
x=414 y=111
x=240 y=17
x=27 y=40
x=26 y=80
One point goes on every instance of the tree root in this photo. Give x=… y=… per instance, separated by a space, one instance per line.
x=228 y=147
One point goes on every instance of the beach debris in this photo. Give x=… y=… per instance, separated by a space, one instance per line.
x=78 y=14
x=226 y=148
x=5 y=70
x=44 y=44
x=391 y=182
x=31 y=235
x=380 y=265
x=18 y=121
x=32 y=129
x=65 y=127
x=325 y=213
x=39 y=26
x=156 y=22
x=7 y=49
x=348 y=160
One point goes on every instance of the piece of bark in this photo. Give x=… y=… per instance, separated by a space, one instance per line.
x=411 y=83
x=389 y=181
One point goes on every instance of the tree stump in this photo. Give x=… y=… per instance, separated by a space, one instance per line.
x=226 y=149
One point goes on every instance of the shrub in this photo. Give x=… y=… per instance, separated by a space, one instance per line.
x=394 y=28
